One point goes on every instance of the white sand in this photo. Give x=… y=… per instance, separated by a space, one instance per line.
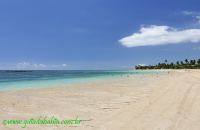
x=146 y=102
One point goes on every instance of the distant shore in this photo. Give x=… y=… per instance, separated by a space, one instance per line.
x=166 y=101
x=184 y=64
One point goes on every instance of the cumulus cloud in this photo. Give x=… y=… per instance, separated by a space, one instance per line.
x=190 y=12
x=160 y=35
x=39 y=66
x=27 y=65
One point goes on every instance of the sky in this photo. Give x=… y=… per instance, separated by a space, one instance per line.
x=97 y=34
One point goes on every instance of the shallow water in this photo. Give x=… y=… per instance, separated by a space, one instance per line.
x=10 y=80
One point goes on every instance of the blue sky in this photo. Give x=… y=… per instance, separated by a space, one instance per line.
x=86 y=34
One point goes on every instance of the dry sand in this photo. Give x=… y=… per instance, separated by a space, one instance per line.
x=146 y=102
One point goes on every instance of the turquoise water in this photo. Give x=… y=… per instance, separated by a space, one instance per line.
x=10 y=80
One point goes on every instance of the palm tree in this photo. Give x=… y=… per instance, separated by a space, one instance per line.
x=186 y=61
x=171 y=65
x=198 y=61
x=194 y=61
x=191 y=64
x=182 y=63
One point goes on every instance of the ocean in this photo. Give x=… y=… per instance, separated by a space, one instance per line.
x=22 y=79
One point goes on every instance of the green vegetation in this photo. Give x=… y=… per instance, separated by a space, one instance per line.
x=186 y=64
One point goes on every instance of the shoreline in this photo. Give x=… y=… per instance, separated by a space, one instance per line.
x=49 y=83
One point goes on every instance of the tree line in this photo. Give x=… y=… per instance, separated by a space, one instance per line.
x=186 y=64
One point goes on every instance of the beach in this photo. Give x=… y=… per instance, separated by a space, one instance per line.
x=165 y=101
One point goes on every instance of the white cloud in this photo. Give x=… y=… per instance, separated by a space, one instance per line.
x=198 y=18
x=190 y=12
x=196 y=48
x=64 y=65
x=27 y=65
x=160 y=35
x=194 y=14
x=59 y=66
x=36 y=66
x=141 y=64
